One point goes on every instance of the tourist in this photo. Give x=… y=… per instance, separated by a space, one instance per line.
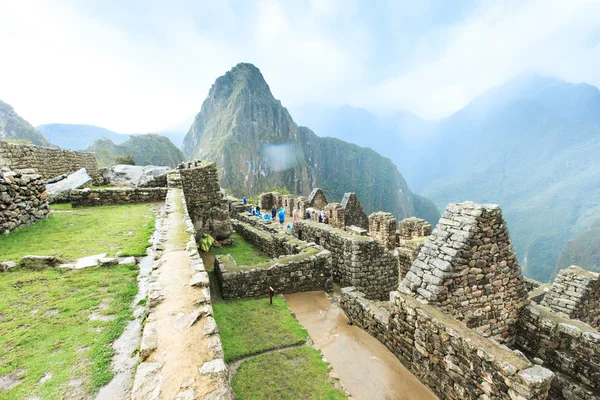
x=273 y=212
x=244 y=200
x=281 y=215
x=294 y=215
x=307 y=214
x=258 y=208
x=326 y=219
x=251 y=210
x=320 y=217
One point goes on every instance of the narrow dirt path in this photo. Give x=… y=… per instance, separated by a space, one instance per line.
x=366 y=368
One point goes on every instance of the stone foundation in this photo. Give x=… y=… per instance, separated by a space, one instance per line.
x=109 y=196
x=48 y=162
x=23 y=199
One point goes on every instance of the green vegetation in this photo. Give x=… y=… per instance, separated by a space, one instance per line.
x=583 y=251
x=292 y=374
x=243 y=252
x=150 y=149
x=14 y=128
x=74 y=233
x=61 y=323
x=126 y=160
x=254 y=326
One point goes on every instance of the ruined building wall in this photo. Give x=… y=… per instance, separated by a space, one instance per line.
x=208 y=209
x=408 y=251
x=23 y=199
x=301 y=204
x=382 y=226
x=469 y=270
x=335 y=213
x=353 y=212
x=575 y=294
x=413 y=228
x=317 y=199
x=109 y=196
x=569 y=348
x=266 y=200
x=358 y=261
x=48 y=162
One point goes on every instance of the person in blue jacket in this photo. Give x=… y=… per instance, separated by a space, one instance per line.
x=244 y=200
x=281 y=215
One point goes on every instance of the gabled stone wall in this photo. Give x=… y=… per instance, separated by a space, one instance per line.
x=317 y=199
x=48 y=162
x=469 y=270
x=353 y=211
x=575 y=294
x=208 y=209
x=23 y=199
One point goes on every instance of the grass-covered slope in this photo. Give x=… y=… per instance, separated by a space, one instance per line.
x=150 y=149
x=13 y=127
x=257 y=145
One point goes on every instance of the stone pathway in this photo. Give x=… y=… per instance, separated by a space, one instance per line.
x=181 y=354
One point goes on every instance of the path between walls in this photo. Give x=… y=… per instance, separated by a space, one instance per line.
x=181 y=354
x=365 y=367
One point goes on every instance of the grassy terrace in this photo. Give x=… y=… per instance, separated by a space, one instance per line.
x=243 y=252
x=73 y=233
x=56 y=325
x=252 y=330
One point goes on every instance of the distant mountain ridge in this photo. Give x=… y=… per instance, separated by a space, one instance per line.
x=531 y=145
x=150 y=149
x=257 y=145
x=13 y=127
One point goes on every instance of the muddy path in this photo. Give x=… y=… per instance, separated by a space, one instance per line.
x=365 y=366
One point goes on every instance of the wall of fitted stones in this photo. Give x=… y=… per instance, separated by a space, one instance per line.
x=102 y=197
x=208 y=209
x=23 y=199
x=368 y=315
x=567 y=347
x=407 y=254
x=301 y=204
x=357 y=261
x=353 y=212
x=267 y=226
x=156 y=181
x=457 y=362
x=575 y=293
x=531 y=284
x=382 y=226
x=266 y=200
x=275 y=245
x=307 y=271
x=317 y=199
x=335 y=213
x=48 y=162
x=287 y=202
x=468 y=269
x=413 y=228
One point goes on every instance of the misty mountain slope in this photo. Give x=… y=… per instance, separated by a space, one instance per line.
x=78 y=136
x=150 y=149
x=12 y=126
x=582 y=251
x=534 y=152
x=257 y=145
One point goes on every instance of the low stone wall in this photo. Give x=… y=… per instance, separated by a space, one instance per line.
x=23 y=199
x=101 y=197
x=412 y=228
x=48 y=162
x=358 y=261
x=453 y=360
x=407 y=254
x=299 y=268
x=382 y=226
x=569 y=348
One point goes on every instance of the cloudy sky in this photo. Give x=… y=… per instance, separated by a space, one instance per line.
x=141 y=66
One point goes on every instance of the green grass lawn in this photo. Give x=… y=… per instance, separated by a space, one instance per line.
x=253 y=326
x=243 y=252
x=292 y=374
x=74 y=233
x=45 y=327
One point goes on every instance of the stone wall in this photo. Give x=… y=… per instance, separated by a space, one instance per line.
x=208 y=209
x=453 y=360
x=382 y=226
x=274 y=244
x=267 y=200
x=48 y=162
x=569 y=348
x=468 y=269
x=317 y=199
x=413 y=228
x=353 y=212
x=335 y=213
x=301 y=204
x=358 y=261
x=23 y=199
x=108 y=196
x=408 y=251
x=575 y=293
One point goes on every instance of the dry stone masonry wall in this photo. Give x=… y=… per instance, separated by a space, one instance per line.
x=207 y=207
x=48 y=162
x=23 y=199
x=317 y=199
x=359 y=261
x=382 y=226
x=354 y=215
x=109 y=196
x=575 y=294
x=468 y=269
x=413 y=228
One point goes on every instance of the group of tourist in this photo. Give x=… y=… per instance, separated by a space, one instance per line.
x=322 y=217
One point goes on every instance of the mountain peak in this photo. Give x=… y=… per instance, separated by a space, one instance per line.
x=244 y=77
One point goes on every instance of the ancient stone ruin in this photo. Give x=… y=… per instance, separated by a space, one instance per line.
x=353 y=212
x=23 y=198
